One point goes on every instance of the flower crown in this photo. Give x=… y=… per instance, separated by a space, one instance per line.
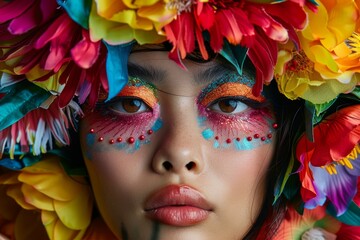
x=53 y=52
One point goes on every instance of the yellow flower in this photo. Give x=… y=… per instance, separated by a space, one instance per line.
x=64 y=203
x=297 y=78
x=120 y=22
x=328 y=64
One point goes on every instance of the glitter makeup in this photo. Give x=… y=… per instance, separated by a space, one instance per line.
x=232 y=117
x=127 y=121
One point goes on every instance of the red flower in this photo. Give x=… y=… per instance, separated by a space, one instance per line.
x=259 y=27
x=330 y=166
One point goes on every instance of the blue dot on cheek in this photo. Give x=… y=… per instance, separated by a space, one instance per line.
x=208 y=133
x=90 y=139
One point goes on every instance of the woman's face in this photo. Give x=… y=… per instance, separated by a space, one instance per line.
x=179 y=154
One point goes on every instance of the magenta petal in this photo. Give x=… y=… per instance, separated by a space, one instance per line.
x=13 y=9
x=85 y=52
x=47 y=8
x=55 y=30
x=24 y=22
x=33 y=17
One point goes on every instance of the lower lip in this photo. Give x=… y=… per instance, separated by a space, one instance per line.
x=180 y=216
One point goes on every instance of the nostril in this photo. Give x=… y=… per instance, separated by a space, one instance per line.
x=167 y=165
x=190 y=165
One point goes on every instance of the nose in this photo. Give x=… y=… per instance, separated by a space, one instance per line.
x=181 y=149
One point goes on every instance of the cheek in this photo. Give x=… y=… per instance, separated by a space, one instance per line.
x=241 y=183
x=117 y=189
x=244 y=131
x=106 y=130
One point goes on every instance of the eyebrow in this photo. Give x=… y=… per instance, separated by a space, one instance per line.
x=148 y=74
x=213 y=73
x=153 y=75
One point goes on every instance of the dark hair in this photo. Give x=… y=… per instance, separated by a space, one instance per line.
x=289 y=116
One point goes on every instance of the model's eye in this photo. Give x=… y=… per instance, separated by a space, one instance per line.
x=228 y=106
x=129 y=105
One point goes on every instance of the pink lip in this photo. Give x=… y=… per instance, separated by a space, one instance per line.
x=177 y=205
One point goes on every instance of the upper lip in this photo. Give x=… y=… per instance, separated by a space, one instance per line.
x=177 y=195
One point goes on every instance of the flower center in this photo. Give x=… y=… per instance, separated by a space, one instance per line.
x=346 y=161
x=299 y=63
x=180 y=5
x=353 y=43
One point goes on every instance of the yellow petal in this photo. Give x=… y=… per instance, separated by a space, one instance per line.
x=36 y=198
x=342 y=50
x=15 y=192
x=144 y=37
x=132 y=19
x=139 y=3
x=341 y=23
x=61 y=232
x=328 y=91
x=111 y=32
x=107 y=8
x=317 y=24
x=76 y=214
x=158 y=13
x=284 y=57
x=324 y=57
x=48 y=173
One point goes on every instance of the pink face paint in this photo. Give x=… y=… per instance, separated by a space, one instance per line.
x=244 y=124
x=121 y=124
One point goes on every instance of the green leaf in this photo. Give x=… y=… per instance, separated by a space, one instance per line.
x=20 y=99
x=279 y=187
x=356 y=92
x=236 y=55
x=350 y=217
x=321 y=108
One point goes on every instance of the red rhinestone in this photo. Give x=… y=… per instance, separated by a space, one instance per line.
x=228 y=140
x=101 y=139
x=275 y=125
x=263 y=138
x=269 y=135
x=111 y=141
x=217 y=138
x=141 y=137
x=249 y=138
x=119 y=139
x=238 y=139
x=150 y=131
x=92 y=130
x=256 y=135
x=131 y=140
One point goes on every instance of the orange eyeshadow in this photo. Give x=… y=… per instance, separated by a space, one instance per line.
x=230 y=89
x=142 y=92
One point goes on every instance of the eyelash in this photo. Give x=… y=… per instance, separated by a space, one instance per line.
x=252 y=122
x=120 y=126
x=117 y=106
x=248 y=103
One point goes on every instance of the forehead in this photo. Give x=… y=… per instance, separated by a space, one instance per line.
x=156 y=67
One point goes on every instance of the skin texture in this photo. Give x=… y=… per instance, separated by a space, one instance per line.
x=231 y=181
